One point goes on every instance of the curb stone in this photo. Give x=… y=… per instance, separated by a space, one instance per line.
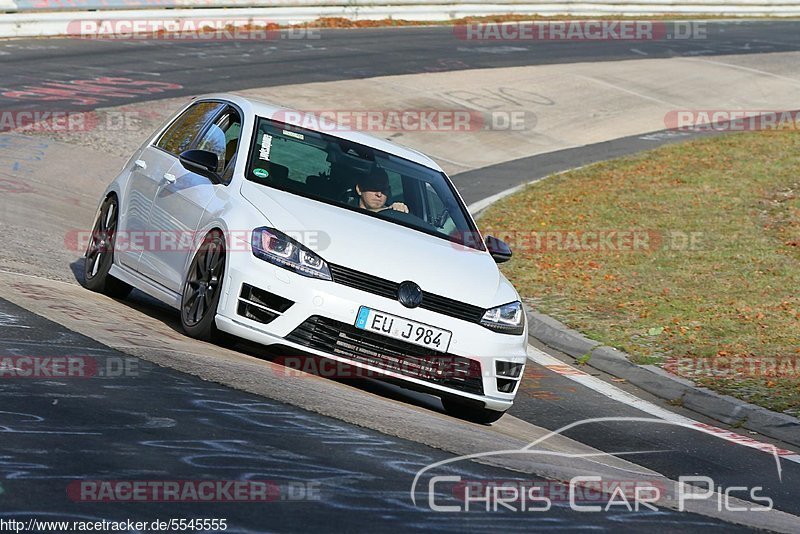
x=663 y=384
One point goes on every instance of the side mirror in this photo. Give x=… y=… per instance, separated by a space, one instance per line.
x=498 y=249
x=201 y=162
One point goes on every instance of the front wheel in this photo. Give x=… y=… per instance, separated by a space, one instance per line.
x=474 y=414
x=100 y=253
x=202 y=289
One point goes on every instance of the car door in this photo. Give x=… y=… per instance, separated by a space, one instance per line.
x=147 y=172
x=147 y=175
x=182 y=197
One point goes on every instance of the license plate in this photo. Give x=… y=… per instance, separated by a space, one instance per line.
x=403 y=329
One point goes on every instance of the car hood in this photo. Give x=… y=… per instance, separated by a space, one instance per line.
x=384 y=249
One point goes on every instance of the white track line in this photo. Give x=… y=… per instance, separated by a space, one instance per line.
x=628 y=91
x=619 y=395
x=794 y=81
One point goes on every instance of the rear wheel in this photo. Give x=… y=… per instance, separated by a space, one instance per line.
x=202 y=289
x=100 y=253
x=467 y=412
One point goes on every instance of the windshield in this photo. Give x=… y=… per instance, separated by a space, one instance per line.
x=359 y=178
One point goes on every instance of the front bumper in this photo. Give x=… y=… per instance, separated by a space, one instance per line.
x=332 y=303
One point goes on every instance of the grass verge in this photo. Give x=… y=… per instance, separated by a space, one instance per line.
x=687 y=256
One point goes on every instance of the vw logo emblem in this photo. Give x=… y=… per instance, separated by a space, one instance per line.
x=409 y=294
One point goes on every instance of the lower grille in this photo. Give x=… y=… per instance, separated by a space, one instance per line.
x=342 y=339
x=506 y=385
x=508 y=369
x=255 y=313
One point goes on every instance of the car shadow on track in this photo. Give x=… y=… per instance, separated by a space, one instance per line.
x=155 y=309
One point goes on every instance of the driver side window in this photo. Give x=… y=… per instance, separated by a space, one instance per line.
x=222 y=138
x=437 y=214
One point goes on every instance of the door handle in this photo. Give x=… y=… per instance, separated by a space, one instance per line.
x=140 y=164
x=169 y=178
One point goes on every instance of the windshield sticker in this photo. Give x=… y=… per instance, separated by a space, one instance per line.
x=261 y=173
x=266 y=147
x=287 y=133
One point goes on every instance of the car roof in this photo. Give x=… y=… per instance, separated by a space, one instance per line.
x=265 y=109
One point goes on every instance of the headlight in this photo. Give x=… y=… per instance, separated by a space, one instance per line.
x=506 y=319
x=279 y=249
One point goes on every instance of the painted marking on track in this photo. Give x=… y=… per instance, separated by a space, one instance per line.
x=492 y=49
x=619 y=395
x=8 y=320
x=663 y=136
x=565 y=370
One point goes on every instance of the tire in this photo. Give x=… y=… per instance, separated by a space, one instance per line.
x=100 y=253
x=470 y=413
x=202 y=289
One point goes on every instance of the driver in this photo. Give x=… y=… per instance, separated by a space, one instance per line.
x=373 y=192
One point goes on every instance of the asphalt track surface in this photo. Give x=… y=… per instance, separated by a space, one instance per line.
x=163 y=425
x=30 y=465
x=203 y=67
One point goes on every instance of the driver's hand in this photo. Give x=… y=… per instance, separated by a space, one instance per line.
x=399 y=206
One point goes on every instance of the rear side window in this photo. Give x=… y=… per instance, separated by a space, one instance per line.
x=184 y=130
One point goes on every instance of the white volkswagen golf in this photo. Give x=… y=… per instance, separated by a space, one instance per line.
x=318 y=242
